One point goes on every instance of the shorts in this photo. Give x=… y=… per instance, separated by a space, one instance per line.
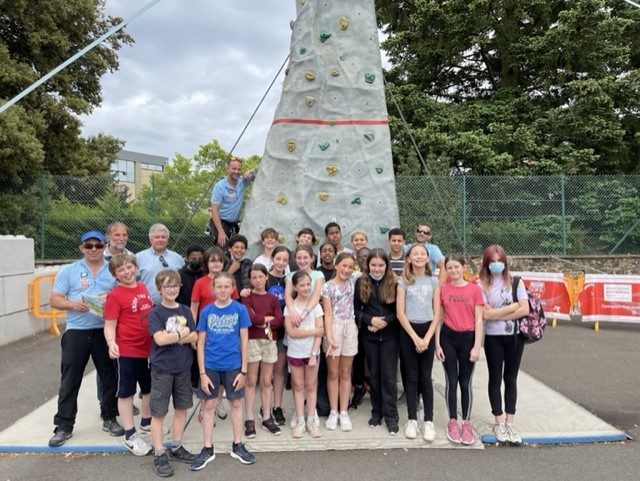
x=298 y=361
x=165 y=385
x=132 y=371
x=282 y=347
x=345 y=336
x=224 y=378
x=263 y=350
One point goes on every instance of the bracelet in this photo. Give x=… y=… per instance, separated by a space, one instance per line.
x=203 y=373
x=243 y=373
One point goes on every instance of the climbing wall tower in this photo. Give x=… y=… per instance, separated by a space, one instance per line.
x=328 y=151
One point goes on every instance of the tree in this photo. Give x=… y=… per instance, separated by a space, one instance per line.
x=516 y=86
x=42 y=132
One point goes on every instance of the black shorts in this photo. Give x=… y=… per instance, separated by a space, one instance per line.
x=165 y=385
x=224 y=378
x=132 y=371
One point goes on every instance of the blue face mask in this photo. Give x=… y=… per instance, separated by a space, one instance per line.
x=496 y=267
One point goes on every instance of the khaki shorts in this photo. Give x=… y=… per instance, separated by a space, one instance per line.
x=345 y=336
x=263 y=350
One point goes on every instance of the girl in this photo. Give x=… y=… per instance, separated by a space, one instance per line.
x=276 y=286
x=342 y=339
x=359 y=240
x=269 y=238
x=503 y=348
x=459 y=309
x=266 y=318
x=375 y=311
x=414 y=308
x=303 y=341
x=328 y=254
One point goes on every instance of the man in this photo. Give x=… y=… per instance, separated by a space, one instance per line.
x=436 y=259
x=88 y=277
x=190 y=273
x=156 y=258
x=226 y=202
x=117 y=238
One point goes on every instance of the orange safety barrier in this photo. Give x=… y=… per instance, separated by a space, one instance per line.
x=34 y=294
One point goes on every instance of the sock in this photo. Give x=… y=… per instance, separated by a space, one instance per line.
x=159 y=452
x=145 y=422
x=343 y=413
x=129 y=432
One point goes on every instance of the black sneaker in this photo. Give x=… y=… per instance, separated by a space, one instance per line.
x=278 y=414
x=271 y=426
x=393 y=429
x=250 y=429
x=59 y=438
x=112 y=427
x=181 y=455
x=239 y=451
x=374 y=422
x=205 y=457
x=161 y=466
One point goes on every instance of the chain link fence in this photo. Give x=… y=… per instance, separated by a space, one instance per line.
x=528 y=215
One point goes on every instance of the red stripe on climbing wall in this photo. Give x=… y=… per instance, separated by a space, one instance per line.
x=331 y=122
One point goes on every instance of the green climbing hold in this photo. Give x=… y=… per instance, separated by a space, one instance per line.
x=324 y=145
x=369 y=78
x=303 y=50
x=370 y=136
x=379 y=170
x=384 y=229
x=324 y=36
x=356 y=200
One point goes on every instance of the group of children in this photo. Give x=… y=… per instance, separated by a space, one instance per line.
x=248 y=320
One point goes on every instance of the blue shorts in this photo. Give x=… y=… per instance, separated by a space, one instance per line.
x=224 y=378
x=133 y=371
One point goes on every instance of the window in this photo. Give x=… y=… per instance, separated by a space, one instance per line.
x=157 y=168
x=124 y=170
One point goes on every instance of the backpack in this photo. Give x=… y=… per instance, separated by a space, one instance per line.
x=532 y=325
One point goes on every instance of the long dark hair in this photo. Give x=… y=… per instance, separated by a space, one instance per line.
x=387 y=283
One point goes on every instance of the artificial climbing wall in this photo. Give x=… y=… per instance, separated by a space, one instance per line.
x=328 y=151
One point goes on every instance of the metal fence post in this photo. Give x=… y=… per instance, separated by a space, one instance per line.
x=43 y=206
x=153 y=200
x=464 y=214
x=564 y=222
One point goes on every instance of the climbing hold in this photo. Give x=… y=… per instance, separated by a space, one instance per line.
x=331 y=170
x=281 y=239
x=286 y=71
x=379 y=170
x=343 y=23
x=324 y=36
x=370 y=136
x=356 y=200
x=310 y=75
x=323 y=196
x=303 y=50
x=335 y=73
x=332 y=123
x=291 y=145
x=324 y=145
x=282 y=200
x=309 y=100
x=384 y=229
x=302 y=2
x=369 y=78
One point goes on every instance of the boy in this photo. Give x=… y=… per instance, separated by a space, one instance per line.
x=173 y=329
x=269 y=237
x=238 y=265
x=396 y=250
x=223 y=337
x=127 y=334
x=334 y=235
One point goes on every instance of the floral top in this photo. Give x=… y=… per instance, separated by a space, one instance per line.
x=341 y=297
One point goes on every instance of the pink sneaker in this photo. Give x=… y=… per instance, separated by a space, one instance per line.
x=467 y=436
x=453 y=433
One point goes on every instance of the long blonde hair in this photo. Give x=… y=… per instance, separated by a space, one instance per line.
x=407 y=271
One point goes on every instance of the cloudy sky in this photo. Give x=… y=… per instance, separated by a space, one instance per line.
x=196 y=72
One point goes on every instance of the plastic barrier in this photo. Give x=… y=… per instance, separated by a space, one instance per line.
x=34 y=294
x=610 y=298
x=551 y=289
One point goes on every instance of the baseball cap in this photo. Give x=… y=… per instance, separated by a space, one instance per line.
x=93 y=234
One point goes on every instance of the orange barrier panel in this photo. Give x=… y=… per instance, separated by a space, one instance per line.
x=550 y=288
x=34 y=294
x=610 y=298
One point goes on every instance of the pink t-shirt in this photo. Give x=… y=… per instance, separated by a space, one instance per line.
x=458 y=304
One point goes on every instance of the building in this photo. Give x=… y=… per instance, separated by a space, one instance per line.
x=133 y=170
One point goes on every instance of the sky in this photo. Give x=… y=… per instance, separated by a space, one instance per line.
x=196 y=72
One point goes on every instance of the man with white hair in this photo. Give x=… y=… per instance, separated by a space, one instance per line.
x=117 y=238
x=156 y=258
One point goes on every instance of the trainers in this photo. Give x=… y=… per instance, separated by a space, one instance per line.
x=278 y=415
x=428 y=431
x=332 y=421
x=299 y=429
x=137 y=445
x=411 y=429
x=161 y=466
x=467 y=436
x=271 y=426
x=313 y=426
x=345 y=422
x=181 y=455
x=205 y=457
x=221 y=411
x=501 y=432
x=393 y=429
x=249 y=429
x=514 y=436
x=112 y=427
x=374 y=422
x=239 y=451
x=59 y=438
x=453 y=433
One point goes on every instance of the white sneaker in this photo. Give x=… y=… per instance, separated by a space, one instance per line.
x=313 y=426
x=411 y=429
x=428 y=431
x=221 y=411
x=299 y=429
x=332 y=421
x=137 y=445
x=501 y=432
x=345 y=422
x=514 y=436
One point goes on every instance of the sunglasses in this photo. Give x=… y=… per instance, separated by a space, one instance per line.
x=90 y=245
x=163 y=261
x=424 y=232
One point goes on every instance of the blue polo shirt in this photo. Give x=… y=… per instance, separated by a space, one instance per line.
x=76 y=279
x=434 y=252
x=149 y=264
x=229 y=198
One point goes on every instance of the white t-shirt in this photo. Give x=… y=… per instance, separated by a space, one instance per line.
x=500 y=295
x=300 y=347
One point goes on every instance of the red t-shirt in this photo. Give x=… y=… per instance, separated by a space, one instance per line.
x=203 y=292
x=459 y=305
x=129 y=307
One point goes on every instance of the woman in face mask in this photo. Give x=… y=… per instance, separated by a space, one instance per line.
x=503 y=347
x=375 y=312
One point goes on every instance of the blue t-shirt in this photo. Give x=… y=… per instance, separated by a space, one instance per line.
x=149 y=264
x=75 y=280
x=435 y=255
x=229 y=198
x=222 y=350
x=171 y=358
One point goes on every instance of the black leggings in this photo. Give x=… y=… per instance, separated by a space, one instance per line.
x=458 y=369
x=417 y=372
x=503 y=354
